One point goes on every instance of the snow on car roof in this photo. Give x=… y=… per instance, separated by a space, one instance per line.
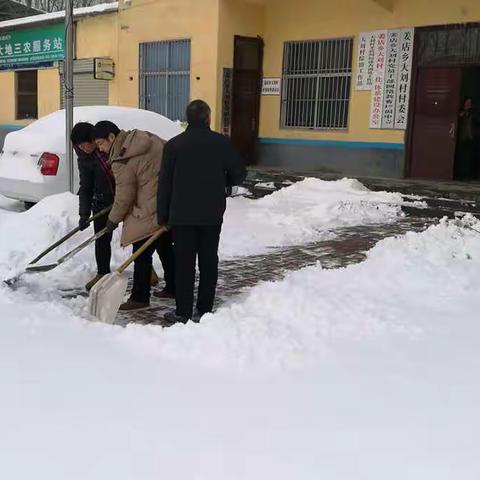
x=48 y=133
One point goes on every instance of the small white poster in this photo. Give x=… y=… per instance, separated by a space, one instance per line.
x=391 y=75
x=364 y=62
x=271 y=86
x=404 y=78
x=378 y=79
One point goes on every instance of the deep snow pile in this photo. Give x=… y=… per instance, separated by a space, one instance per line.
x=368 y=372
x=30 y=232
x=302 y=213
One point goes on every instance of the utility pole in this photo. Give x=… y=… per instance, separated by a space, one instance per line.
x=68 y=91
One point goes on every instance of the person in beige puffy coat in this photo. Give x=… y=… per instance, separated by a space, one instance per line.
x=136 y=157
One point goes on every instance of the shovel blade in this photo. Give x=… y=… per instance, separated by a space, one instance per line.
x=30 y=269
x=12 y=281
x=107 y=296
x=41 y=268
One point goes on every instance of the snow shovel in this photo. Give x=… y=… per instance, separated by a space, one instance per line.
x=107 y=295
x=68 y=236
x=67 y=256
x=52 y=247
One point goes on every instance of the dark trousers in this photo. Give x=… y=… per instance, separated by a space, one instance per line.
x=103 y=249
x=143 y=267
x=188 y=242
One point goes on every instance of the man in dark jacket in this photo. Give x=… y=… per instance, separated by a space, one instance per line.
x=97 y=190
x=198 y=167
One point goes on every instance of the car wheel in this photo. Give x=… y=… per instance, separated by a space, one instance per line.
x=28 y=205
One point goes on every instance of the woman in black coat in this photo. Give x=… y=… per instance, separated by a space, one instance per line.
x=97 y=191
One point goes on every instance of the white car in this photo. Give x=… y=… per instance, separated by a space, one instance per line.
x=33 y=164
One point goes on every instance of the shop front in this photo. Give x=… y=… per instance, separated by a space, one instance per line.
x=31 y=65
x=354 y=87
x=27 y=57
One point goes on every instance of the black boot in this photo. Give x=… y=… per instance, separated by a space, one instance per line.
x=197 y=316
x=172 y=317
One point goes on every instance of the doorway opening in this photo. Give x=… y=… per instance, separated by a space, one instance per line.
x=443 y=140
x=247 y=80
x=467 y=150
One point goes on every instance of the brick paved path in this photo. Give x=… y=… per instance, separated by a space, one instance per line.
x=236 y=276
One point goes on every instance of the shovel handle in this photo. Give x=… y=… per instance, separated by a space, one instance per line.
x=142 y=249
x=68 y=236
x=83 y=245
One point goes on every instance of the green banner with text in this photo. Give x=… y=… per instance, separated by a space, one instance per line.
x=33 y=45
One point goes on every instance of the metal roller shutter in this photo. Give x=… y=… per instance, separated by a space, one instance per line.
x=88 y=90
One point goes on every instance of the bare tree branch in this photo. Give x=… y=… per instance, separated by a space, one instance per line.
x=56 y=5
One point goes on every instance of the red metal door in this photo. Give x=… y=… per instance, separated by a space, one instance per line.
x=437 y=100
x=247 y=79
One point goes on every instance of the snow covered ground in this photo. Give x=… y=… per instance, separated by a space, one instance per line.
x=301 y=213
x=367 y=373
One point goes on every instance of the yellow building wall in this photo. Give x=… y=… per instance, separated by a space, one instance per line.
x=311 y=19
x=98 y=37
x=237 y=17
x=7 y=96
x=48 y=91
x=147 y=21
x=211 y=26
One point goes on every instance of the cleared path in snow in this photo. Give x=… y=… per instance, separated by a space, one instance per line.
x=348 y=247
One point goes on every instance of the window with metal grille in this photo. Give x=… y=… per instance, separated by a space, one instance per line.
x=317 y=77
x=165 y=77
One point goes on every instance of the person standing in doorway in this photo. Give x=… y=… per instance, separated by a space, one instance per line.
x=198 y=167
x=135 y=157
x=465 y=165
x=97 y=190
